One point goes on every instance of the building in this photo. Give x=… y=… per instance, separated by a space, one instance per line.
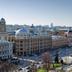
x=6 y=50
x=4 y=36
x=12 y=28
x=59 y=41
x=69 y=36
x=29 y=43
x=2 y=25
x=31 y=39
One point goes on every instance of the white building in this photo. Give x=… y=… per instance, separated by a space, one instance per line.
x=6 y=50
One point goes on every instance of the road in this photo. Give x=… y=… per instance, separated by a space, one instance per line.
x=24 y=69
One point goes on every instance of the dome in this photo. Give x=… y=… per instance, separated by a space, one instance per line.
x=3 y=20
x=22 y=32
x=4 y=42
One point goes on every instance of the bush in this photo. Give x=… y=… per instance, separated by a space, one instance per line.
x=57 y=65
x=41 y=70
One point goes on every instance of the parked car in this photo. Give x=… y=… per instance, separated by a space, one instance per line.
x=20 y=69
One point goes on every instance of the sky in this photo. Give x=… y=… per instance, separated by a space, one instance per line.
x=37 y=12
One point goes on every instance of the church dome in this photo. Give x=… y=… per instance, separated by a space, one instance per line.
x=22 y=32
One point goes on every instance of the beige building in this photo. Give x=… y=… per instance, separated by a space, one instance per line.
x=4 y=36
x=59 y=41
x=59 y=32
x=27 y=43
x=7 y=36
x=69 y=36
x=32 y=45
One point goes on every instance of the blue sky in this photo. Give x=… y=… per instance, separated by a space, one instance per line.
x=37 y=12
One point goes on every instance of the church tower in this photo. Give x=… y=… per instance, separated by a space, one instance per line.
x=2 y=25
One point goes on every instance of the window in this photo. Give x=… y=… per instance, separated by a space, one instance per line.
x=0 y=37
x=0 y=52
x=21 y=48
x=21 y=41
x=21 y=45
x=21 y=53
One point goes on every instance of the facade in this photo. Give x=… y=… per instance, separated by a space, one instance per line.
x=32 y=45
x=6 y=50
x=28 y=43
x=59 y=41
x=4 y=36
x=2 y=25
x=27 y=40
x=11 y=37
x=7 y=36
x=69 y=36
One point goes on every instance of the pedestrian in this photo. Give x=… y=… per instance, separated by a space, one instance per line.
x=56 y=58
x=62 y=61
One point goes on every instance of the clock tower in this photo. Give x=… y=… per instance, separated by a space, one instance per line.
x=2 y=25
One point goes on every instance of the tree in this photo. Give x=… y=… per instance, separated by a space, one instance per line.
x=56 y=58
x=33 y=68
x=8 y=67
x=46 y=60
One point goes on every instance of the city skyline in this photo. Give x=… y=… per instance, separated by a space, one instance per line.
x=37 y=12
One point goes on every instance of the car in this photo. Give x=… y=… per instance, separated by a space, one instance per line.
x=20 y=69
x=15 y=61
x=28 y=68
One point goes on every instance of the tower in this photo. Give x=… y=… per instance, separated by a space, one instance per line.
x=2 y=25
x=51 y=25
